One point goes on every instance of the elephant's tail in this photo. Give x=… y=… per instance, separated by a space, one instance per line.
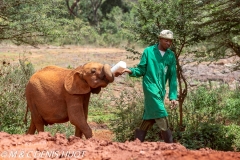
x=25 y=119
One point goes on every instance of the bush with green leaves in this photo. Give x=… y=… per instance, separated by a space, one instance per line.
x=206 y=118
x=13 y=80
x=207 y=135
x=128 y=112
x=128 y=115
x=231 y=109
x=234 y=129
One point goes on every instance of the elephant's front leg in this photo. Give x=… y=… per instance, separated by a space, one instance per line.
x=78 y=132
x=86 y=98
x=77 y=116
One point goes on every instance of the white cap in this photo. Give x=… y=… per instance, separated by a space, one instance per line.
x=167 y=34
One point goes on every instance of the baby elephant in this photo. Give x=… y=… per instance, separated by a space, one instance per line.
x=58 y=95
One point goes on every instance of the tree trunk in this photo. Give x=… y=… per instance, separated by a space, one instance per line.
x=182 y=84
x=71 y=10
x=95 y=5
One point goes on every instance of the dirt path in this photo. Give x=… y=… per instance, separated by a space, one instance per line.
x=45 y=146
x=65 y=56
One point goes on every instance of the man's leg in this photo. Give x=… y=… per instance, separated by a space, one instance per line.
x=165 y=132
x=142 y=131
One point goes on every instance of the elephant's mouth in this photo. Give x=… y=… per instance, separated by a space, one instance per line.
x=106 y=80
x=100 y=82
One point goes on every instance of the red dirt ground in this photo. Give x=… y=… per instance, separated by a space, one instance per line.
x=45 y=146
x=100 y=147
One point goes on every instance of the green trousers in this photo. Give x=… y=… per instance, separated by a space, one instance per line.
x=162 y=123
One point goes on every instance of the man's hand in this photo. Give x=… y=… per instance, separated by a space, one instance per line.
x=116 y=74
x=173 y=104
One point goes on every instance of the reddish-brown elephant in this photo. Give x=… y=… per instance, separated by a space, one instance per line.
x=58 y=95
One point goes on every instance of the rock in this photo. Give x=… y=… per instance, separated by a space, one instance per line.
x=220 y=71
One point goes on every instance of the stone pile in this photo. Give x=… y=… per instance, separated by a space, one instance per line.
x=218 y=72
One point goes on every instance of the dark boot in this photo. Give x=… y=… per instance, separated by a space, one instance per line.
x=140 y=134
x=167 y=136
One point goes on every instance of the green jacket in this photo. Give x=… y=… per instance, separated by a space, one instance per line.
x=156 y=70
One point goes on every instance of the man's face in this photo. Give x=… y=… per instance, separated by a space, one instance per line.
x=165 y=43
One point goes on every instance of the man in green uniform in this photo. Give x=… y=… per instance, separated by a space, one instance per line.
x=157 y=66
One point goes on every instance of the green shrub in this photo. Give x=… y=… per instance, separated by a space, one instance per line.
x=207 y=112
x=128 y=115
x=13 y=80
x=231 y=109
x=128 y=112
x=234 y=130
x=208 y=135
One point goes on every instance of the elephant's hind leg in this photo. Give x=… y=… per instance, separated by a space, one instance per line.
x=36 y=124
x=32 y=128
x=39 y=124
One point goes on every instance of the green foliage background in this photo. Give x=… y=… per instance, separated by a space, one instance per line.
x=214 y=24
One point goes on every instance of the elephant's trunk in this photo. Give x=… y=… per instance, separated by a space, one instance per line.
x=107 y=72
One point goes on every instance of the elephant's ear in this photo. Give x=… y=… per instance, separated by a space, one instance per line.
x=96 y=90
x=74 y=84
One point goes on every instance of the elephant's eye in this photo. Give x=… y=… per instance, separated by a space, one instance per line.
x=93 y=70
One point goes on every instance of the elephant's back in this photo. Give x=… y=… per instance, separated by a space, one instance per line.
x=50 y=74
x=47 y=80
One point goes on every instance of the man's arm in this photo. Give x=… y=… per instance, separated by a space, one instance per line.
x=173 y=83
x=138 y=71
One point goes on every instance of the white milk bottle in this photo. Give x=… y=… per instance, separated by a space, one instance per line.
x=119 y=67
